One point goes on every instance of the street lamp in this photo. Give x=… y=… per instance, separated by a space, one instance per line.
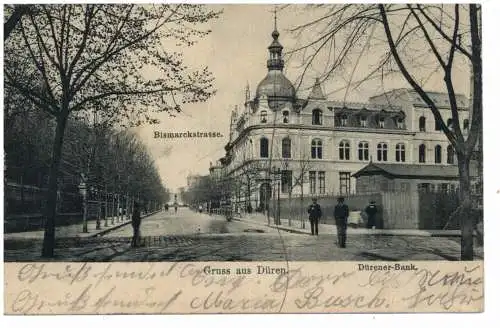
x=113 y=197
x=99 y=210
x=82 y=187
x=105 y=206
x=289 y=180
x=277 y=172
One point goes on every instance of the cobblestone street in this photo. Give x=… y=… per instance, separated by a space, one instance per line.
x=189 y=236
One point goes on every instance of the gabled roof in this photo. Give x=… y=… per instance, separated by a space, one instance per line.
x=441 y=99
x=410 y=170
x=317 y=92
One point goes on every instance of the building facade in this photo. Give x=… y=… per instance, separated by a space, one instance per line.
x=313 y=146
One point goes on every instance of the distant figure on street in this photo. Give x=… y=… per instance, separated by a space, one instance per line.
x=341 y=213
x=175 y=207
x=136 y=224
x=166 y=207
x=200 y=208
x=371 y=212
x=314 y=211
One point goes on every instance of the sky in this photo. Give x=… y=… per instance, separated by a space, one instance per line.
x=236 y=53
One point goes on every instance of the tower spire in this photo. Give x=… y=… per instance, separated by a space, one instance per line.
x=275 y=61
x=275 y=19
x=247 y=93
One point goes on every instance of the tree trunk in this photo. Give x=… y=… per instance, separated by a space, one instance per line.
x=466 y=219
x=10 y=25
x=50 y=210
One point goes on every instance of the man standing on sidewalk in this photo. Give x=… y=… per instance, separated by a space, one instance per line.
x=136 y=224
x=341 y=213
x=371 y=212
x=314 y=211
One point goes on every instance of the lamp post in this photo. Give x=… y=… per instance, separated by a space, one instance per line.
x=113 y=196
x=289 y=179
x=266 y=198
x=277 y=172
x=82 y=187
x=105 y=206
x=120 y=207
x=99 y=210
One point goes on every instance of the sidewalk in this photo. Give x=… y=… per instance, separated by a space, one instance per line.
x=328 y=229
x=75 y=230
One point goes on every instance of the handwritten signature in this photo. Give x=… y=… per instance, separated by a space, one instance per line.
x=158 y=287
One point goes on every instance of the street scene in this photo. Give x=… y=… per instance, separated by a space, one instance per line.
x=190 y=236
x=182 y=132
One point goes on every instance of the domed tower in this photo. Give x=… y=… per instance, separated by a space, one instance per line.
x=275 y=86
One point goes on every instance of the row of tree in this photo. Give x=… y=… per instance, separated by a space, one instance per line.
x=208 y=190
x=111 y=160
x=120 y=64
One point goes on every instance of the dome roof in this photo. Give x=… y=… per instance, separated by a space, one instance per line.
x=275 y=85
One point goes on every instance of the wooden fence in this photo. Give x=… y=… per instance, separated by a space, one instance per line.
x=396 y=210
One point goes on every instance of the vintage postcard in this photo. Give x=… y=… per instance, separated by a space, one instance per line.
x=201 y=158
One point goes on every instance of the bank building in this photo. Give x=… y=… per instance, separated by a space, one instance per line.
x=317 y=146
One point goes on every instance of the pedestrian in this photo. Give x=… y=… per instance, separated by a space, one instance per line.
x=166 y=207
x=200 y=208
x=371 y=212
x=314 y=211
x=136 y=224
x=341 y=213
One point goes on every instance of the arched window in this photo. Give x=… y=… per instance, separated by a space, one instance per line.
x=381 y=122
x=382 y=152
x=264 y=148
x=263 y=116
x=362 y=122
x=344 y=150
x=437 y=154
x=421 y=153
x=466 y=126
x=317 y=117
x=286 y=147
x=400 y=123
x=421 y=124
x=363 y=151
x=286 y=116
x=450 y=155
x=437 y=126
x=400 y=152
x=316 y=149
x=343 y=120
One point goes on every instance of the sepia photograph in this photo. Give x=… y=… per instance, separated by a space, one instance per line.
x=277 y=135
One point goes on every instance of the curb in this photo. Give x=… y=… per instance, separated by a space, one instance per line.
x=292 y=230
x=422 y=233
x=103 y=232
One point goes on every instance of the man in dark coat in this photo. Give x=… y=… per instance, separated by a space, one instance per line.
x=371 y=212
x=136 y=223
x=341 y=213
x=314 y=211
